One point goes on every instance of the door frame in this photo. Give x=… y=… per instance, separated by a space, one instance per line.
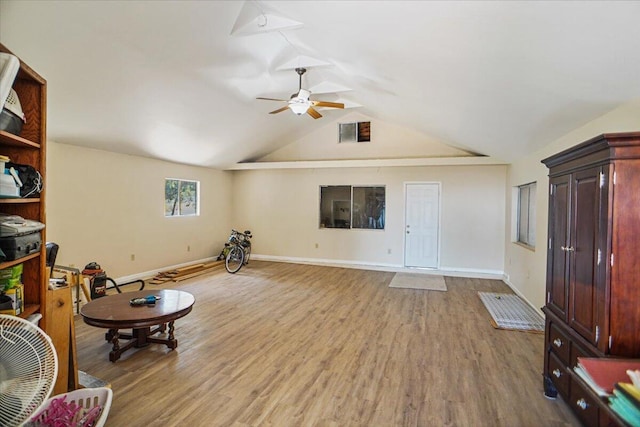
x=404 y=227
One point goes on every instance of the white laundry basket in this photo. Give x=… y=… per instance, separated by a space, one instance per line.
x=87 y=398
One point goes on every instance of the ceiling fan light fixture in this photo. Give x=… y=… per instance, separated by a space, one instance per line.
x=299 y=108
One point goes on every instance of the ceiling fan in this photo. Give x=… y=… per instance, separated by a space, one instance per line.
x=300 y=102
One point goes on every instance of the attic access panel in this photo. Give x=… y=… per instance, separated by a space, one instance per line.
x=354 y=132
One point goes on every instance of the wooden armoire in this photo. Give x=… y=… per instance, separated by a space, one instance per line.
x=593 y=265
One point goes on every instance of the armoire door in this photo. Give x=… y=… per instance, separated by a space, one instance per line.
x=583 y=252
x=557 y=256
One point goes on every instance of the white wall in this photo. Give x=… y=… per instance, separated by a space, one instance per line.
x=387 y=141
x=281 y=208
x=104 y=207
x=526 y=269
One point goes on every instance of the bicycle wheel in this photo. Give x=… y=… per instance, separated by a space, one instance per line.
x=247 y=254
x=234 y=259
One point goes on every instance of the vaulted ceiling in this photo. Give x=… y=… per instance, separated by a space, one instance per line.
x=169 y=80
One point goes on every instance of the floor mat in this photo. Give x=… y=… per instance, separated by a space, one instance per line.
x=426 y=282
x=508 y=311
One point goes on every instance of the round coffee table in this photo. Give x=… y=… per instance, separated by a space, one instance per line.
x=114 y=312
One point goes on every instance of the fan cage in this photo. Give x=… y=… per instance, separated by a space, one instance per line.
x=28 y=369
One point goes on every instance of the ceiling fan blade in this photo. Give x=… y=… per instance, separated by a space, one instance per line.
x=279 y=110
x=272 y=99
x=313 y=113
x=327 y=104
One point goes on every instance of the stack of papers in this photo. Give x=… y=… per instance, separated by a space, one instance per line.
x=609 y=377
x=603 y=373
x=626 y=403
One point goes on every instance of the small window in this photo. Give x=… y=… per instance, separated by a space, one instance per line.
x=181 y=197
x=354 y=132
x=527 y=214
x=344 y=206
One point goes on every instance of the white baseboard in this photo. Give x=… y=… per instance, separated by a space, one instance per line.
x=517 y=292
x=444 y=271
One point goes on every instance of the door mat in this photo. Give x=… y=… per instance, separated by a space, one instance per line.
x=426 y=282
x=509 y=311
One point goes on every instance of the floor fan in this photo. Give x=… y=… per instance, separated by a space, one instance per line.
x=28 y=369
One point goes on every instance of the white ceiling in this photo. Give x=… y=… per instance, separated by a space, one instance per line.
x=167 y=80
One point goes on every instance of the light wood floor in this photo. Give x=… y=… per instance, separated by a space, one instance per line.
x=293 y=345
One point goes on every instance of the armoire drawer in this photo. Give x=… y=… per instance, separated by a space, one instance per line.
x=559 y=375
x=583 y=405
x=559 y=343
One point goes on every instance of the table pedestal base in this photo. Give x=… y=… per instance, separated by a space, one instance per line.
x=139 y=337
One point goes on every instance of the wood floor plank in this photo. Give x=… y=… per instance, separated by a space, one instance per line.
x=293 y=345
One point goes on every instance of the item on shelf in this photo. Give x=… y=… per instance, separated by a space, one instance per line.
x=20 y=246
x=14 y=225
x=9 y=66
x=9 y=283
x=12 y=300
x=3 y=161
x=12 y=272
x=12 y=117
x=8 y=186
x=28 y=178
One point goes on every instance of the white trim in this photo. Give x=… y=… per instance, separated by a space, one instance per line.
x=369 y=163
x=506 y=280
x=396 y=268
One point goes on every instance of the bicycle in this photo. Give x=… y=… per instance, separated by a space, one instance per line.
x=238 y=250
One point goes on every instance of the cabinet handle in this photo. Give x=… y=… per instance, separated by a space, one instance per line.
x=557 y=373
x=567 y=248
x=582 y=404
x=557 y=342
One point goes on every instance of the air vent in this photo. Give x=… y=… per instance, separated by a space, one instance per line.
x=354 y=132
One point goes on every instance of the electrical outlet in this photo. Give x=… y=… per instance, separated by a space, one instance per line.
x=188 y=248
x=389 y=251
x=133 y=257
x=316 y=246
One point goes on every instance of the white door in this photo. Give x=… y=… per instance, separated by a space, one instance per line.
x=422 y=225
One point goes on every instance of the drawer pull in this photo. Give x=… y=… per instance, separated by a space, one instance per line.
x=558 y=342
x=557 y=373
x=582 y=404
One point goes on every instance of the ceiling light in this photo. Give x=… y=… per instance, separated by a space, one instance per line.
x=299 y=107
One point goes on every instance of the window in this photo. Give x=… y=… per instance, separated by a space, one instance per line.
x=527 y=214
x=344 y=206
x=354 y=132
x=181 y=197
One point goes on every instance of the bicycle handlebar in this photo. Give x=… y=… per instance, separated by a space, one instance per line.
x=247 y=233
